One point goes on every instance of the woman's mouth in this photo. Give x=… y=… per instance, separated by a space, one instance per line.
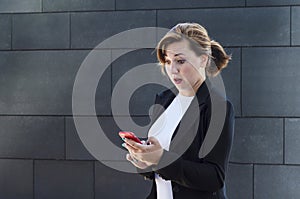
x=177 y=80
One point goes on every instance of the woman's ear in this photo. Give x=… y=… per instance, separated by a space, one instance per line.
x=204 y=60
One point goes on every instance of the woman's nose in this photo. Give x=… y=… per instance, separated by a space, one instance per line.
x=174 y=68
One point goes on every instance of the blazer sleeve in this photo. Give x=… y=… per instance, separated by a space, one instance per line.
x=205 y=174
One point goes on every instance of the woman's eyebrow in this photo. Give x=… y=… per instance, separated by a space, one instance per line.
x=178 y=54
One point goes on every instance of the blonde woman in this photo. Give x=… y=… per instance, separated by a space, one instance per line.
x=187 y=55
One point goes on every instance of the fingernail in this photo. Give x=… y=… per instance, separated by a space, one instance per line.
x=123 y=145
x=123 y=139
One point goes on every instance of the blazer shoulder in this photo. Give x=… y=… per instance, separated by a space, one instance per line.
x=167 y=93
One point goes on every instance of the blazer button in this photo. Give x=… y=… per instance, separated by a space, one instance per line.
x=175 y=188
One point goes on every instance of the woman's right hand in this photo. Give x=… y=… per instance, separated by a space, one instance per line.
x=135 y=162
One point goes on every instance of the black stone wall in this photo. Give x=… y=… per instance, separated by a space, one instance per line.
x=44 y=42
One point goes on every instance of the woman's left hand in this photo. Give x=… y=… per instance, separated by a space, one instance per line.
x=149 y=153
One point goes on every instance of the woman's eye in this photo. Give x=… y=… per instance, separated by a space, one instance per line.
x=181 y=61
x=167 y=62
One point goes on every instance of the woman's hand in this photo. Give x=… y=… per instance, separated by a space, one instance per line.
x=136 y=163
x=149 y=153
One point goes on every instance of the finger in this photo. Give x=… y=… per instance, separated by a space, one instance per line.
x=132 y=159
x=130 y=148
x=128 y=157
x=134 y=144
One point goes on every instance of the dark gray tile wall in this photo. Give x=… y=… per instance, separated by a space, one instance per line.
x=43 y=44
x=90 y=29
x=143 y=97
x=16 y=179
x=258 y=140
x=156 y=4
x=239 y=181
x=41 y=31
x=295 y=26
x=232 y=77
x=276 y=182
x=42 y=82
x=5 y=32
x=15 y=6
x=75 y=150
x=77 y=5
x=32 y=137
x=63 y=179
x=270 y=78
x=238 y=26
x=292 y=141
x=125 y=183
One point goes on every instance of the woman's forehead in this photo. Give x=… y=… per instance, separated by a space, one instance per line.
x=177 y=49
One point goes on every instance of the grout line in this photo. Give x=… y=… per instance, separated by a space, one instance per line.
x=115 y=5
x=94 y=179
x=70 y=33
x=107 y=115
x=111 y=72
x=11 y=31
x=65 y=140
x=156 y=18
x=200 y=8
x=262 y=164
x=241 y=82
x=291 y=25
x=245 y=3
x=42 y=5
x=145 y=9
x=253 y=183
x=89 y=49
x=33 y=179
x=283 y=135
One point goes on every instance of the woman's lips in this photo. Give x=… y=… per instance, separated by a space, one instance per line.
x=177 y=80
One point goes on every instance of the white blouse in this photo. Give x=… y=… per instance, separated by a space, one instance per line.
x=163 y=129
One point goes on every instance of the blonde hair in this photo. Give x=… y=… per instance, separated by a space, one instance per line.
x=200 y=43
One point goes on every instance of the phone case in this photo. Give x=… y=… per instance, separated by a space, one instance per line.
x=129 y=135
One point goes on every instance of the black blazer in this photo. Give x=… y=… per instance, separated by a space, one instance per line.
x=193 y=176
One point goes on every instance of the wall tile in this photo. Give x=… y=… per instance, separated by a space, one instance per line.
x=258 y=140
x=232 y=77
x=296 y=25
x=12 y=6
x=63 y=179
x=76 y=150
x=270 y=82
x=89 y=29
x=41 y=31
x=5 y=32
x=77 y=5
x=276 y=182
x=239 y=181
x=143 y=96
x=128 y=185
x=156 y=4
x=236 y=26
x=272 y=2
x=43 y=82
x=292 y=141
x=32 y=137
x=16 y=179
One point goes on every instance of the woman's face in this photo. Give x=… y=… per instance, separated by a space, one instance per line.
x=185 y=69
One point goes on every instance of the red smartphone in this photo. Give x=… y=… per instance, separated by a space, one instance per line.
x=129 y=135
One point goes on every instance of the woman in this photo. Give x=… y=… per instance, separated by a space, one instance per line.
x=187 y=56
